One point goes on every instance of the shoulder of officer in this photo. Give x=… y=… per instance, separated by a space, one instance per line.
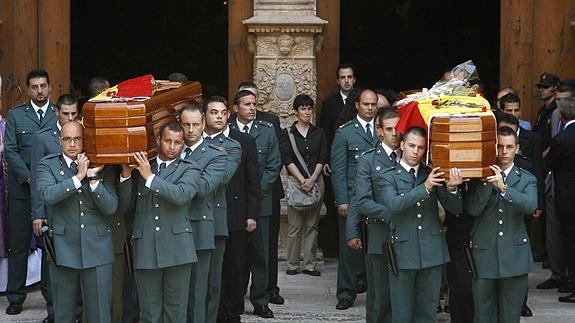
x=522 y=171
x=44 y=131
x=346 y=124
x=218 y=148
x=265 y=123
x=186 y=161
x=52 y=156
x=369 y=151
x=391 y=170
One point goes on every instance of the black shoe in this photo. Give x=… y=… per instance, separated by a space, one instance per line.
x=312 y=272
x=439 y=309
x=344 y=304
x=526 y=311
x=539 y=258
x=446 y=309
x=48 y=319
x=566 y=288
x=567 y=299
x=360 y=287
x=14 y=309
x=264 y=312
x=545 y=264
x=292 y=272
x=276 y=298
x=550 y=284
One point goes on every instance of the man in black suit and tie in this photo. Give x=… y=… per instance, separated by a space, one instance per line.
x=331 y=110
x=243 y=196
x=277 y=194
x=560 y=160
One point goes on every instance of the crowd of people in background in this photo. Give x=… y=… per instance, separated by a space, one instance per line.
x=201 y=219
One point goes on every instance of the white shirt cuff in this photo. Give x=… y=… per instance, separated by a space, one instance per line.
x=77 y=183
x=149 y=181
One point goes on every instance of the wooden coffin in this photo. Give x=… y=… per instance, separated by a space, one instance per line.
x=114 y=131
x=467 y=143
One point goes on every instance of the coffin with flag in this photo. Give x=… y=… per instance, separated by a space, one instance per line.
x=460 y=124
x=126 y=118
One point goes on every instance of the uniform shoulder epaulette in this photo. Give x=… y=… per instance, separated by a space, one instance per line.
x=54 y=155
x=388 y=169
x=44 y=130
x=523 y=170
x=369 y=151
x=265 y=123
x=187 y=161
x=346 y=124
x=218 y=148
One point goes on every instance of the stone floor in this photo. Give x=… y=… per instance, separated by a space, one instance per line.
x=312 y=299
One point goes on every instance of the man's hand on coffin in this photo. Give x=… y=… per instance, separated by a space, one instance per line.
x=435 y=178
x=93 y=172
x=497 y=179
x=455 y=179
x=83 y=163
x=143 y=164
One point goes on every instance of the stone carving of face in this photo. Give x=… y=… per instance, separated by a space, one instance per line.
x=285 y=44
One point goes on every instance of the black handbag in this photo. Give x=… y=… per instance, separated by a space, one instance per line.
x=296 y=197
x=129 y=256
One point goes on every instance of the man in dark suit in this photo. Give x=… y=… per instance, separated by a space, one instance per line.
x=331 y=110
x=80 y=203
x=22 y=124
x=243 y=196
x=277 y=194
x=546 y=89
x=47 y=142
x=560 y=161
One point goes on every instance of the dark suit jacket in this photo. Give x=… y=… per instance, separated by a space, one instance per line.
x=530 y=147
x=331 y=110
x=561 y=161
x=278 y=189
x=243 y=193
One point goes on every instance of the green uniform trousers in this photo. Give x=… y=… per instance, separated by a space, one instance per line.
x=258 y=258
x=199 y=287
x=415 y=294
x=215 y=280
x=20 y=227
x=349 y=265
x=96 y=287
x=163 y=293
x=378 y=303
x=499 y=300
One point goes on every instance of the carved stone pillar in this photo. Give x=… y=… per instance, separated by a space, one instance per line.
x=284 y=38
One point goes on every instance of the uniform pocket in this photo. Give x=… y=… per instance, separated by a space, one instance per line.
x=181 y=227
x=104 y=229
x=58 y=229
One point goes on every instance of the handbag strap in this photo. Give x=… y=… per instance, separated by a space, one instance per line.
x=296 y=151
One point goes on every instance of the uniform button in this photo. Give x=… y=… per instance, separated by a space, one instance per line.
x=204 y=216
x=510 y=201
x=235 y=197
x=157 y=205
x=118 y=224
x=156 y=218
x=187 y=229
x=218 y=204
x=139 y=194
x=80 y=190
x=500 y=211
x=501 y=234
x=419 y=227
x=401 y=194
x=419 y=216
x=81 y=213
x=98 y=196
x=82 y=226
x=157 y=191
x=67 y=190
x=500 y=221
x=418 y=204
x=484 y=184
x=524 y=239
x=157 y=228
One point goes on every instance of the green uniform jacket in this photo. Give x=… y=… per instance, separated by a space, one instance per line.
x=269 y=159
x=416 y=229
x=80 y=219
x=349 y=143
x=499 y=239
x=21 y=126
x=234 y=152
x=212 y=163
x=162 y=234
x=369 y=199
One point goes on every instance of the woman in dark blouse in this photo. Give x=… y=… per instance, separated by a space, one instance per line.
x=312 y=145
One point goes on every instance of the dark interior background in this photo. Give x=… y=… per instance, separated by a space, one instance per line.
x=397 y=44
x=120 y=39
x=408 y=44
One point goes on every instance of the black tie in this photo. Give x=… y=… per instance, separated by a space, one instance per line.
x=161 y=168
x=188 y=151
x=368 y=131
x=246 y=129
x=74 y=167
x=41 y=115
x=412 y=172
x=393 y=157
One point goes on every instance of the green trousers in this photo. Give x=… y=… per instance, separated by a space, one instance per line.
x=378 y=302
x=499 y=300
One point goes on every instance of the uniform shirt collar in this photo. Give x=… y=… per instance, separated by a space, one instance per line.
x=44 y=108
x=205 y=135
x=508 y=170
x=241 y=125
x=159 y=161
x=193 y=147
x=363 y=123
x=69 y=160
x=343 y=97
x=388 y=150
x=408 y=168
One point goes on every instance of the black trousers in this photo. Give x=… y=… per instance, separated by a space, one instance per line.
x=233 y=280
x=273 y=248
x=568 y=242
x=460 y=286
x=328 y=227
